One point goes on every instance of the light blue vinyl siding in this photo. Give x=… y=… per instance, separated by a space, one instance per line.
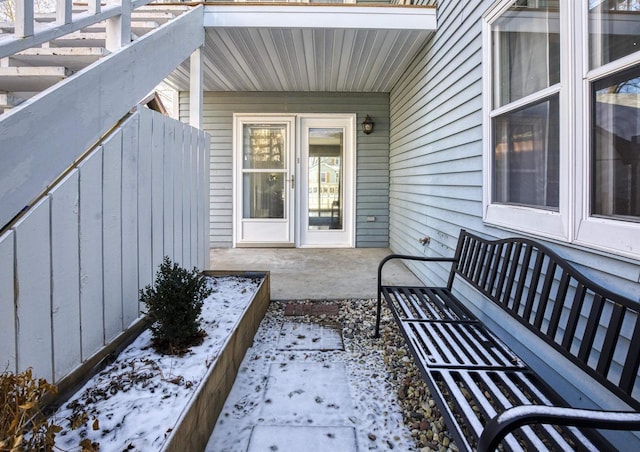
x=436 y=151
x=372 y=154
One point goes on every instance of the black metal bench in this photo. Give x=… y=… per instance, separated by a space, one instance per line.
x=486 y=394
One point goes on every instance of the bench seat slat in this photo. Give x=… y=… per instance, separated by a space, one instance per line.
x=426 y=303
x=484 y=393
x=455 y=344
x=397 y=297
x=517 y=384
x=441 y=384
x=532 y=439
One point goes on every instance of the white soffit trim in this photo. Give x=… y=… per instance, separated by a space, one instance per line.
x=311 y=16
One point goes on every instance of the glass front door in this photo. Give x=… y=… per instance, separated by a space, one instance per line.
x=272 y=206
x=324 y=176
x=327 y=161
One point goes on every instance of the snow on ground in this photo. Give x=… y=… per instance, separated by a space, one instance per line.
x=135 y=402
x=259 y=408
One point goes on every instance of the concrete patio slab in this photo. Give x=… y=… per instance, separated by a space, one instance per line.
x=310 y=336
x=269 y=438
x=316 y=273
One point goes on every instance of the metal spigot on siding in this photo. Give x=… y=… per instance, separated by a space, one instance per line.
x=424 y=241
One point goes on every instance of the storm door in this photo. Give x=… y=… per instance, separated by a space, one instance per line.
x=264 y=181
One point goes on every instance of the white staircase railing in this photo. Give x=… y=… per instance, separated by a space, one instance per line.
x=41 y=137
x=28 y=33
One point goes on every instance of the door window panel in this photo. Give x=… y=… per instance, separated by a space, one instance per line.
x=264 y=147
x=325 y=175
x=264 y=171
x=264 y=195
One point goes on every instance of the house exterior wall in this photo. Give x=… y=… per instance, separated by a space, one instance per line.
x=436 y=151
x=372 y=153
x=436 y=161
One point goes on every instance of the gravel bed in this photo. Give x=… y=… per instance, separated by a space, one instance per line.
x=420 y=414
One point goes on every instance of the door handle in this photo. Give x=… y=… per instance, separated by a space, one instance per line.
x=293 y=181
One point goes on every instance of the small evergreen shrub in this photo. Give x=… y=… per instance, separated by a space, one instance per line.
x=22 y=424
x=174 y=304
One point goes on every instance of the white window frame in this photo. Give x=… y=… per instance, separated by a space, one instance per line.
x=572 y=223
x=605 y=234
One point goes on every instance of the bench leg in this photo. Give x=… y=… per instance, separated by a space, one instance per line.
x=378 y=314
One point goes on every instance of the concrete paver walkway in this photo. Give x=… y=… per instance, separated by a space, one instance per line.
x=303 y=400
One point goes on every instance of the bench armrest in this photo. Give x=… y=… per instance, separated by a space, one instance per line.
x=409 y=258
x=515 y=417
x=401 y=257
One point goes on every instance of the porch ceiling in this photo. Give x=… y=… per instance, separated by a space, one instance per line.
x=343 y=48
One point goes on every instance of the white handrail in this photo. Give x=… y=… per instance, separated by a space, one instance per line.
x=91 y=101
x=27 y=35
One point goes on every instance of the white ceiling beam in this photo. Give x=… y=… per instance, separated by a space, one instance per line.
x=312 y=16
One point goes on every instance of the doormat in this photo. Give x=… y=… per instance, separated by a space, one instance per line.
x=294 y=309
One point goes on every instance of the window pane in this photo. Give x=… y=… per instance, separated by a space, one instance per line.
x=326 y=149
x=616 y=146
x=614 y=30
x=526 y=156
x=264 y=147
x=526 y=50
x=263 y=195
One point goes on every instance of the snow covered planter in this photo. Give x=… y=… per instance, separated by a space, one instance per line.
x=148 y=401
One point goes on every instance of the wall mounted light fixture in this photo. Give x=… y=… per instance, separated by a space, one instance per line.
x=367 y=125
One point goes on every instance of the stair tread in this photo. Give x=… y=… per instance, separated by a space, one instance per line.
x=64 y=51
x=34 y=71
x=74 y=58
x=30 y=78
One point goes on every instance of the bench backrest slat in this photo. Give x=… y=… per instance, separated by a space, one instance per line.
x=611 y=337
x=574 y=315
x=546 y=293
x=515 y=259
x=591 y=329
x=595 y=328
x=631 y=365
x=563 y=288
x=535 y=281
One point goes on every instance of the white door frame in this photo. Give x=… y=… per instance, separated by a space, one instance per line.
x=344 y=238
x=244 y=231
